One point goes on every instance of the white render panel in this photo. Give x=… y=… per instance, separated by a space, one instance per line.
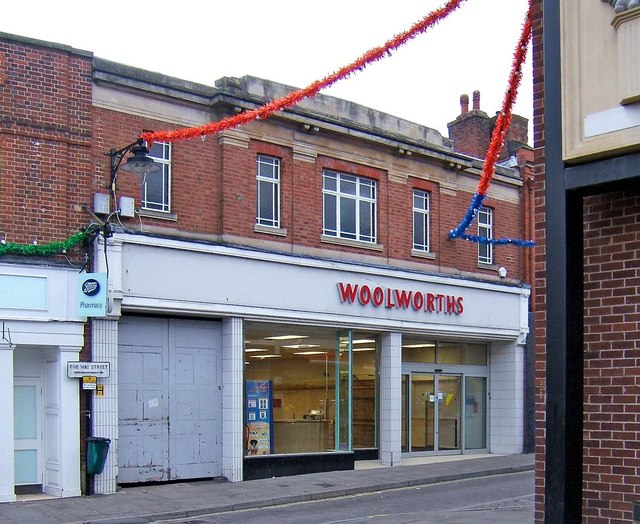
x=507 y=398
x=105 y=409
x=390 y=398
x=60 y=300
x=232 y=395
x=6 y=430
x=229 y=281
x=62 y=403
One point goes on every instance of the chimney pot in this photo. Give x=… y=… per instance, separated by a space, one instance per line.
x=464 y=104
x=476 y=100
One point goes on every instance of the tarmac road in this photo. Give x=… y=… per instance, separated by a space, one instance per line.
x=497 y=499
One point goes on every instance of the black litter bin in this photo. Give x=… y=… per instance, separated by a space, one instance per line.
x=97 y=449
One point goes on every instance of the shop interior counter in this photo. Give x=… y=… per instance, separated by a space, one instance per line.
x=302 y=435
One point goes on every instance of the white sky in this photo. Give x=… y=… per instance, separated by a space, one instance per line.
x=296 y=42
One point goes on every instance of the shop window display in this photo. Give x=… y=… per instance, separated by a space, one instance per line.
x=308 y=390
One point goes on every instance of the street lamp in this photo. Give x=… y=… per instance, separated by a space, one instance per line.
x=140 y=162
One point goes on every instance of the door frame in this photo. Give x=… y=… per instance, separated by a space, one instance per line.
x=35 y=443
x=435 y=422
x=438 y=370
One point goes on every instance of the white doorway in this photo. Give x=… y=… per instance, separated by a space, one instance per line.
x=27 y=414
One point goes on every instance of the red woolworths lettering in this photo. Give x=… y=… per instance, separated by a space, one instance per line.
x=347 y=292
x=403 y=298
x=365 y=295
x=378 y=296
x=400 y=299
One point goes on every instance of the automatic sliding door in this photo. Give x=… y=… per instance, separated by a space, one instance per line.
x=422 y=413
x=449 y=409
x=431 y=412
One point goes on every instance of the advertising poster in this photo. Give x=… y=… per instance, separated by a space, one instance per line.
x=259 y=415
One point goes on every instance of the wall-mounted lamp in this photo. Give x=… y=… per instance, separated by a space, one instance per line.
x=502 y=272
x=140 y=162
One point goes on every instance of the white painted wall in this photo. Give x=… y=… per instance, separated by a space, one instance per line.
x=391 y=400
x=232 y=395
x=7 y=493
x=506 y=383
x=195 y=278
x=45 y=334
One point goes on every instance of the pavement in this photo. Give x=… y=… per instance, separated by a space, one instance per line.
x=148 y=503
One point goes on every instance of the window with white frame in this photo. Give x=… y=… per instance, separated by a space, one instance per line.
x=349 y=206
x=485 y=230
x=268 y=191
x=420 y=220
x=156 y=187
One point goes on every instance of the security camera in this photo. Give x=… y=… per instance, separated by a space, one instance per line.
x=502 y=272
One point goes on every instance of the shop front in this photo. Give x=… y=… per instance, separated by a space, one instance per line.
x=308 y=390
x=39 y=334
x=444 y=397
x=313 y=364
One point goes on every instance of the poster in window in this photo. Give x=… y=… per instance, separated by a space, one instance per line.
x=259 y=417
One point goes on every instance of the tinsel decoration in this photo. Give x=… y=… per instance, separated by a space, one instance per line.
x=497 y=141
x=53 y=248
x=295 y=97
x=377 y=53
x=499 y=241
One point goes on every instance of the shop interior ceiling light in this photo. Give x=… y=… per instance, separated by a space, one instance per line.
x=286 y=337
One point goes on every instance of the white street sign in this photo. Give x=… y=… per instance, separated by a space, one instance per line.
x=88 y=369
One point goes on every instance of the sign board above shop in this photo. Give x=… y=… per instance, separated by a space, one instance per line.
x=297 y=288
x=92 y=295
x=88 y=369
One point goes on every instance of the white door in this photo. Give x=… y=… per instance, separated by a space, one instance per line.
x=27 y=424
x=195 y=393
x=170 y=399
x=143 y=416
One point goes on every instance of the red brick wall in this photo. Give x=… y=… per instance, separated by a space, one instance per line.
x=214 y=193
x=611 y=467
x=612 y=356
x=45 y=138
x=540 y=258
x=196 y=183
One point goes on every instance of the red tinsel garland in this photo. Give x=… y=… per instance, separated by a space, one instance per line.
x=296 y=96
x=504 y=118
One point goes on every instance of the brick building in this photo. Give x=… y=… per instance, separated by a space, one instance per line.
x=274 y=291
x=586 y=136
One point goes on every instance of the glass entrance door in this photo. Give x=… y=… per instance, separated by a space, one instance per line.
x=422 y=413
x=431 y=412
x=449 y=409
x=27 y=443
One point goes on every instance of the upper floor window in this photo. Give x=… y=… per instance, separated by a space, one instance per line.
x=485 y=229
x=268 y=191
x=349 y=204
x=156 y=187
x=420 y=220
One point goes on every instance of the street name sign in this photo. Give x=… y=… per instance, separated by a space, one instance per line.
x=88 y=369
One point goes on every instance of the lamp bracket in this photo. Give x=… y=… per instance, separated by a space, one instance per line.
x=116 y=156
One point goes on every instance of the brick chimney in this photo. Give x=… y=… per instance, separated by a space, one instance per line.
x=517 y=136
x=471 y=131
